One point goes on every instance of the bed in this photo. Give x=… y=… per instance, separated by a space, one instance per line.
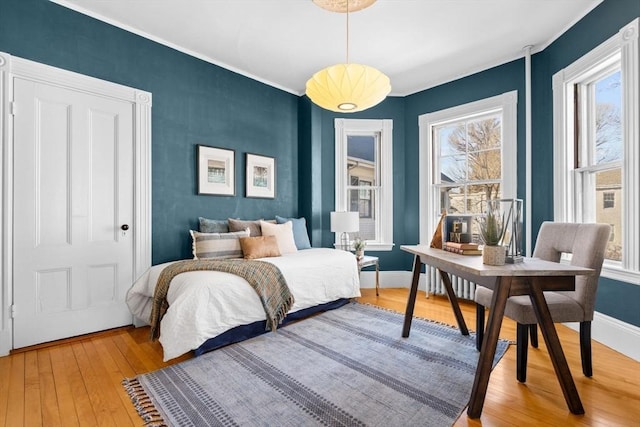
x=209 y=309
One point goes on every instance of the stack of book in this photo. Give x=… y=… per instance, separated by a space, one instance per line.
x=463 y=248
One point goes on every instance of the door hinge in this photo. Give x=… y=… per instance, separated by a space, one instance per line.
x=12 y=108
x=12 y=311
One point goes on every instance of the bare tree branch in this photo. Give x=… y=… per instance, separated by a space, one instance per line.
x=480 y=142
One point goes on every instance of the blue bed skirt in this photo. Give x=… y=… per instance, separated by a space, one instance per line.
x=243 y=332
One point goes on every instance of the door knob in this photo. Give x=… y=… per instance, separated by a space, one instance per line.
x=124 y=227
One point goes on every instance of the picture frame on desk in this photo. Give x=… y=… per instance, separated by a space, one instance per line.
x=458 y=229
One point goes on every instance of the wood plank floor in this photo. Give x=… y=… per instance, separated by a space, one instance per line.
x=77 y=382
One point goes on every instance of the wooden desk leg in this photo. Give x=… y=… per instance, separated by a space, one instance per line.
x=453 y=299
x=555 y=351
x=489 y=344
x=411 y=302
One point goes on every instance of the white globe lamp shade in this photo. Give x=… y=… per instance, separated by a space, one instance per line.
x=348 y=88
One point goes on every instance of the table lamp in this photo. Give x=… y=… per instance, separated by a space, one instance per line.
x=345 y=223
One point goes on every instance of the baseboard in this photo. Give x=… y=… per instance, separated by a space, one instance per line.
x=390 y=279
x=137 y=322
x=620 y=336
x=5 y=343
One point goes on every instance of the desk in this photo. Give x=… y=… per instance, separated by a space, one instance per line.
x=368 y=261
x=531 y=277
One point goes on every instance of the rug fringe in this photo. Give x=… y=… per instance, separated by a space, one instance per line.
x=143 y=403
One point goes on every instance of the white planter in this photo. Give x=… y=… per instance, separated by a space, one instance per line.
x=493 y=255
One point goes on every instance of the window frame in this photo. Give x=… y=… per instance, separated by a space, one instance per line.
x=429 y=190
x=384 y=224
x=622 y=47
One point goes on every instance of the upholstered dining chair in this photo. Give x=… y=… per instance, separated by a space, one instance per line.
x=587 y=244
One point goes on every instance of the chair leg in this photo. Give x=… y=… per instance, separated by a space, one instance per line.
x=533 y=332
x=522 y=344
x=479 y=325
x=585 y=348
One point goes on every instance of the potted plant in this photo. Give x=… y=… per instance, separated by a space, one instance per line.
x=492 y=227
x=358 y=245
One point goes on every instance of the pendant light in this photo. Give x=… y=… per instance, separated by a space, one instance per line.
x=347 y=88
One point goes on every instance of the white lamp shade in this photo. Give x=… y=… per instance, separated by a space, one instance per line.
x=348 y=88
x=345 y=222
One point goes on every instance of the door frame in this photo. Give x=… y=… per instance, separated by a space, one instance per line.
x=11 y=67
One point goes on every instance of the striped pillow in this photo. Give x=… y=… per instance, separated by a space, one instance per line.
x=217 y=245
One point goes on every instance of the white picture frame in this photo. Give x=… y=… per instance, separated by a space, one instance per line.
x=216 y=171
x=260 y=176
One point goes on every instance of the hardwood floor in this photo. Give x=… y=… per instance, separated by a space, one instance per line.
x=77 y=382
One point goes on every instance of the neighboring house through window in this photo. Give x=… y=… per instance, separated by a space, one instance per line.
x=364 y=177
x=467 y=156
x=597 y=147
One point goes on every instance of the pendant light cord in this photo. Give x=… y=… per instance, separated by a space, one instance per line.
x=347 y=32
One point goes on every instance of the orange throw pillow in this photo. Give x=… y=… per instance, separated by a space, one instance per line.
x=259 y=247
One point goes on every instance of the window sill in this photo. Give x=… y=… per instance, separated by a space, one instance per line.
x=613 y=270
x=617 y=273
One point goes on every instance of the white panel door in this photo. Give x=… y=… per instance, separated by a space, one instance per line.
x=73 y=193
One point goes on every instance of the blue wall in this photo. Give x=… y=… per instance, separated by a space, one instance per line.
x=195 y=102
x=319 y=179
x=616 y=299
x=495 y=81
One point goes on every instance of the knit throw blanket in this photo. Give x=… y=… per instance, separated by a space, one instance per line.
x=265 y=278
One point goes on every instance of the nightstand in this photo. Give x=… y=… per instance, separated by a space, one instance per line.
x=369 y=261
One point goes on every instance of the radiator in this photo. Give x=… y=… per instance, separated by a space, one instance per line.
x=464 y=289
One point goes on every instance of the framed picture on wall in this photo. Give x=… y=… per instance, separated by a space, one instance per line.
x=261 y=176
x=216 y=171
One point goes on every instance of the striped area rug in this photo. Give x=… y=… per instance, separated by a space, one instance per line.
x=346 y=367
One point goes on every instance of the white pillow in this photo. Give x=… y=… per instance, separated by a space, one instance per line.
x=217 y=245
x=283 y=234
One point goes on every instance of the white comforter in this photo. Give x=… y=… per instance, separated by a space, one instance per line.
x=204 y=304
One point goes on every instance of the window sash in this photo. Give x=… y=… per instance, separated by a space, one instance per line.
x=586 y=113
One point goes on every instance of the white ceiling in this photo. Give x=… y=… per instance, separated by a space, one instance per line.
x=417 y=43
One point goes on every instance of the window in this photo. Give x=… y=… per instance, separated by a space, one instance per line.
x=596 y=157
x=364 y=177
x=609 y=199
x=467 y=156
x=597 y=161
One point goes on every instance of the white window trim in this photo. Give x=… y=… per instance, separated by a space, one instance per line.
x=507 y=102
x=344 y=127
x=625 y=44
